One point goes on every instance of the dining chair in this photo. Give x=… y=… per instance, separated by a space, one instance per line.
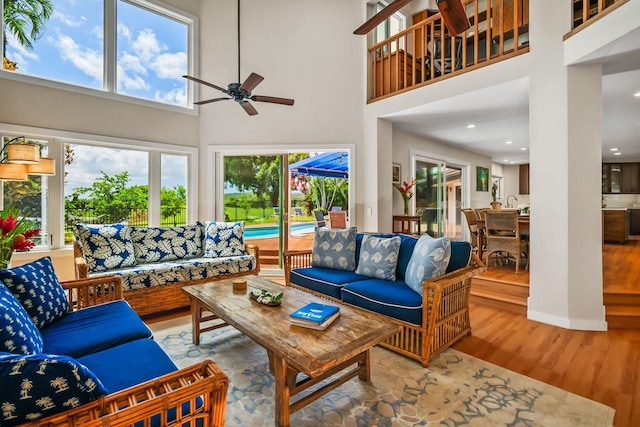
x=338 y=219
x=502 y=236
x=319 y=218
x=472 y=223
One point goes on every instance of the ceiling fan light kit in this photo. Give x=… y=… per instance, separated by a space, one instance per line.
x=241 y=93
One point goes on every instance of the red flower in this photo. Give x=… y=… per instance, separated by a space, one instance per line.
x=406 y=187
x=22 y=244
x=31 y=233
x=7 y=225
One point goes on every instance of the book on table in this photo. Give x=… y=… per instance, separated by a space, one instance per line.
x=315 y=315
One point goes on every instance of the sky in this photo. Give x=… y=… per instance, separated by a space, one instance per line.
x=151 y=50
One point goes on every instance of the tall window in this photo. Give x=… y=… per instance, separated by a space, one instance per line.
x=173 y=192
x=391 y=26
x=69 y=41
x=30 y=196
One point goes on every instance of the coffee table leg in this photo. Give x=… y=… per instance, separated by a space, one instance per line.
x=282 y=392
x=195 y=320
x=366 y=362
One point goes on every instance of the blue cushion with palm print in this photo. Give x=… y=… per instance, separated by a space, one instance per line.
x=39 y=385
x=161 y=244
x=223 y=239
x=38 y=289
x=106 y=246
x=430 y=259
x=18 y=333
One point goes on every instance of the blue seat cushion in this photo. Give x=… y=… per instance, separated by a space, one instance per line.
x=94 y=329
x=391 y=298
x=129 y=364
x=327 y=281
x=460 y=255
x=40 y=385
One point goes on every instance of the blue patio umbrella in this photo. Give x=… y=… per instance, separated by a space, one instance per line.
x=328 y=165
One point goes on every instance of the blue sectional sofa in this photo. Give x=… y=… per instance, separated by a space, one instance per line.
x=433 y=311
x=154 y=263
x=75 y=352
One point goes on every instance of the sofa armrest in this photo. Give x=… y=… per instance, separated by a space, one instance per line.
x=79 y=262
x=198 y=392
x=87 y=292
x=296 y=259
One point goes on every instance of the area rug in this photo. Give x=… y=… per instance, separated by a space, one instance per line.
x=455 y=390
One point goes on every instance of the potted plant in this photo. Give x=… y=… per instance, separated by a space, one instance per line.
x=495 y=204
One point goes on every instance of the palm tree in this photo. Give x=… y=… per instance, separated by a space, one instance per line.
x=26 y=20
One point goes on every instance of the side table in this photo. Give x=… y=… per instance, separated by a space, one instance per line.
x=407 y=224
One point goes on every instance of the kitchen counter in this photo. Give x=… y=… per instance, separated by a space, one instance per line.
x=615 y=225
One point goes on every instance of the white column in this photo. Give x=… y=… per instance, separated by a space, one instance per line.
x=565 y=120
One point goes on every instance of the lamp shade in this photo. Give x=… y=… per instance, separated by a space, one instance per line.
x=23 y=153
x=46 y=166
x=13 y=172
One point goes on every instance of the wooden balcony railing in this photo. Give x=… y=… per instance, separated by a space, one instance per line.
x=425 y=53
x=585 y=12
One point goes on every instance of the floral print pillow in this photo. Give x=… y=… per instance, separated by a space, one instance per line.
x=430 y=259
x=106 y=247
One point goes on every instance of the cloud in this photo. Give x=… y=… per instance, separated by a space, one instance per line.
x=124 y=31
x=98 y=31
x=68 y=20
x=177 y=96
x=85 y=59
x=127 y=81
x=147 y=46
x=170 y=65
x=131 y=63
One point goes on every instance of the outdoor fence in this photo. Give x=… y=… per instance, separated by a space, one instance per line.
x=135 y=217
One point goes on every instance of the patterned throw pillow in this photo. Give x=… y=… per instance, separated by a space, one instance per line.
x=18 y=334
x=107 y=246
x=38 y=289
x=40 y=385
x=430 y=259
x=161 y=244
x=223 y=239
x=334 y=248
x=379 y=257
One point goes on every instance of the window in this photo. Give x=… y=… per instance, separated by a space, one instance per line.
x=133 y=48
x=173 y=191
x=391 y=26
x=30 y=196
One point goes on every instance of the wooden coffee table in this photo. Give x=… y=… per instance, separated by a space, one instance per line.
x=292 y=349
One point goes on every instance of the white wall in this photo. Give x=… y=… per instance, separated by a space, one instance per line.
x=305 y=50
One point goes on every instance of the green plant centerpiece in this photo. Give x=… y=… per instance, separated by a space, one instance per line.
x=266 y=297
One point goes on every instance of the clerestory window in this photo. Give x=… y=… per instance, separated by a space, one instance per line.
x=134 y=48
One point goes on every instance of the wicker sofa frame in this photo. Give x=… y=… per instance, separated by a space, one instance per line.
x=204 y=386
x=445 y=314
x=157 y=299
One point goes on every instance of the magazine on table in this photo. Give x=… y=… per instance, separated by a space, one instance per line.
x=315 y=315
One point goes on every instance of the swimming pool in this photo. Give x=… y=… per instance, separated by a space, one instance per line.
x=267 y=231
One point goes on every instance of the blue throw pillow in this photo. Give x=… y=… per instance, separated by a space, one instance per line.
x=18 y=334
x=430 y=259
x=334 y=248
x=107 y=246
x=38 y=289
x=223 y=239
x=160 y=244
x=379 y=257
x=36 y=386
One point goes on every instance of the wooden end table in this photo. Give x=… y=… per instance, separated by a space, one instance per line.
x=292 y=349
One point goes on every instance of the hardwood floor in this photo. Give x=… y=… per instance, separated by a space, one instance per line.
x=602 y=366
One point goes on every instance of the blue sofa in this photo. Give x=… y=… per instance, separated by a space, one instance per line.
x=154 y=263
x=432 y=320
x=75 y=352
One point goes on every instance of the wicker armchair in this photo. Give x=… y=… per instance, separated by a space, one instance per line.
x=195 y=395
x=502 y=235
x=472 y=223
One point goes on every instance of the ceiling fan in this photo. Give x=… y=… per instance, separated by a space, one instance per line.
x=241 y=93
x=453 y=14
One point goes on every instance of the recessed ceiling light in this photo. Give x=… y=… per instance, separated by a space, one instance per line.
x=614 y=149
x=508 y=142
x=506 y=160
x=523 y=149
x=637 y=94
x=617 y=154
x=470 y=126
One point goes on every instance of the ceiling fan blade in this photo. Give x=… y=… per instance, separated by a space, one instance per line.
x=197 y=80
x=207 y=101
x=248 y=108
x=379 y=17
x=252 y=81
x=272 y=99
x=454 y=16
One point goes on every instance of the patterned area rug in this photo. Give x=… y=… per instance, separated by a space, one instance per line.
x=455 y=390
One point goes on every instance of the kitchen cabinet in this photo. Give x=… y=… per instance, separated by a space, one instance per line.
x=634 y=222
x=615 y=225
x=621 y=178
x=524 y=179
